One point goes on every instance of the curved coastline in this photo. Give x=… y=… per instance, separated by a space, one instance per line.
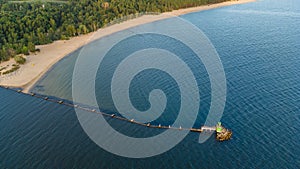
x=39 y=64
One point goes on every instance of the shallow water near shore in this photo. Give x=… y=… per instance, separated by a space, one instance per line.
x=259 y=46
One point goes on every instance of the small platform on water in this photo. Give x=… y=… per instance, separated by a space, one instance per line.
x=222 y=133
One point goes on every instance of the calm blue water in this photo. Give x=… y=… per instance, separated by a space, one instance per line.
x=259 y=45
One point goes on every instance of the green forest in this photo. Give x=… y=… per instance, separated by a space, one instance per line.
x=25 y=24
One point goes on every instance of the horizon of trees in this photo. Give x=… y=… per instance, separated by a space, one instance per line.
x=23 y=25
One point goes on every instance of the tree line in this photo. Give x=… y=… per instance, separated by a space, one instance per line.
x=23 y=25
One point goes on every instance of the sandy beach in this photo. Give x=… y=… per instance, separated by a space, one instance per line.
x=38 y=64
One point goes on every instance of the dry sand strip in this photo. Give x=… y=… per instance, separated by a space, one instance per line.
x=38 y=64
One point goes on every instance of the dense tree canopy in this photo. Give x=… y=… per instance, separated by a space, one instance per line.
x=26 y=24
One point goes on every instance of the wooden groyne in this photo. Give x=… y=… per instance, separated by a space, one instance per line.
x=221 y=133
x=209 y=129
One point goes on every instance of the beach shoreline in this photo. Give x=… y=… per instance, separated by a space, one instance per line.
x=38 y=64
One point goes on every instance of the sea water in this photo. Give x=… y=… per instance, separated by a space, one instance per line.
x=259 y=46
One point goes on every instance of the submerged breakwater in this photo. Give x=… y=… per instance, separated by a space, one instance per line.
x=89 y=110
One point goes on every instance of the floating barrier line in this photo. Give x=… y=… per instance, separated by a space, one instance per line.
x=62 y=102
